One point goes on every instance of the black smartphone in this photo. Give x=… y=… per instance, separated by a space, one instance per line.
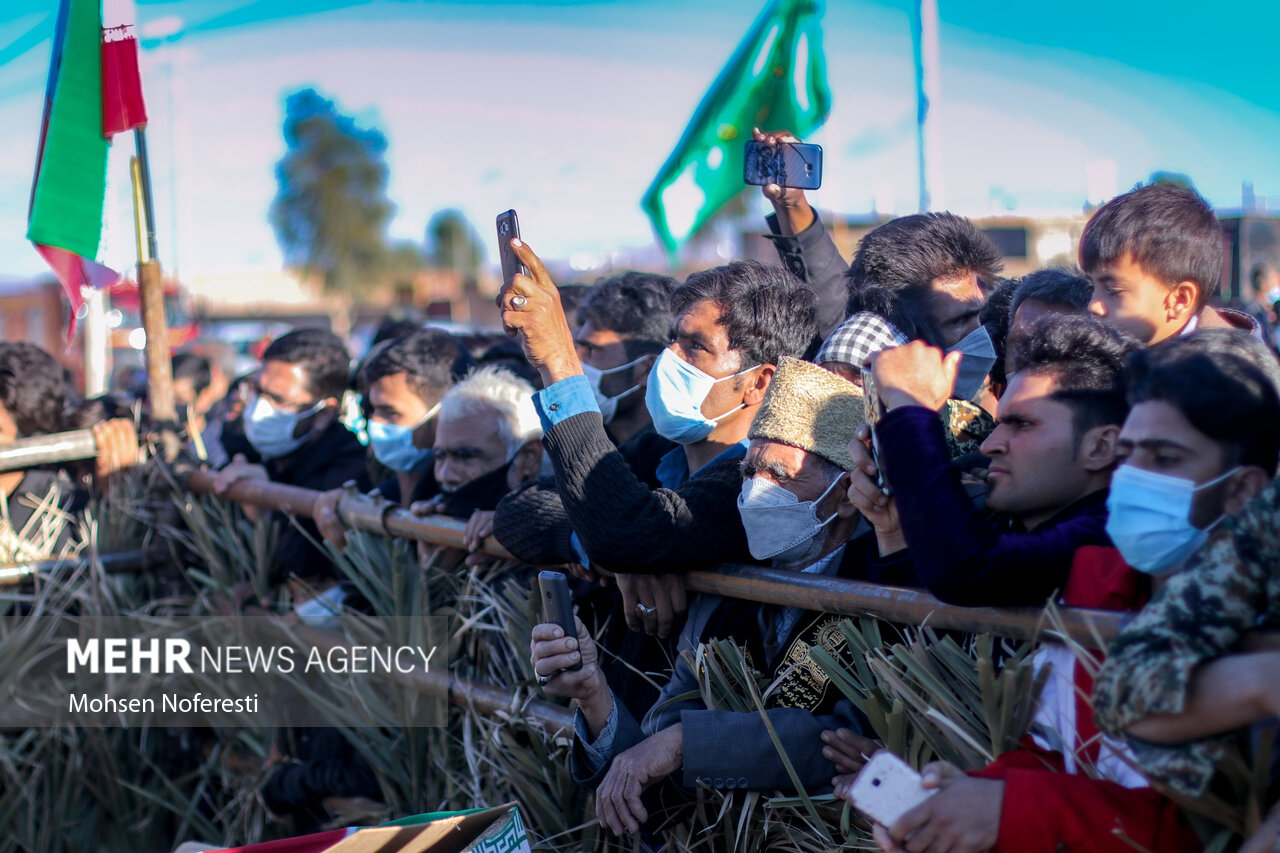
x=508 y=228
x=556 y=605
x=873 y=412
x=787 y=164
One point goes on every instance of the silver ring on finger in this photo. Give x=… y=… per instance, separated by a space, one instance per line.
x=646 y=611
x=518 y=302
x=543 y=680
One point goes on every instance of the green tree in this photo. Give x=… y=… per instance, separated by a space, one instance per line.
x=331 y=209
x=452 y=243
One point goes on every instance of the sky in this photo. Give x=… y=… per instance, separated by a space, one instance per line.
x=566 y=110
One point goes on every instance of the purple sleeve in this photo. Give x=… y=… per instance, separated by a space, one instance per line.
x=962 y=554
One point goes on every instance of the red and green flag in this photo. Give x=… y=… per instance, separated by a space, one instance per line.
x=776 y=79
x=93 y=93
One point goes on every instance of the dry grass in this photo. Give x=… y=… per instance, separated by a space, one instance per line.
x=927 y=696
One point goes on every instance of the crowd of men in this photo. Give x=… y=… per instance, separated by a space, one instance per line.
x=1103 y=437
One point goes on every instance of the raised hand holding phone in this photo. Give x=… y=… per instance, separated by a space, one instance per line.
x=557 y=608
x=531 y=312
x=789 y=203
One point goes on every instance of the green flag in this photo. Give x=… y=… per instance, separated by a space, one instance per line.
x=65 y=217
x=775 y=80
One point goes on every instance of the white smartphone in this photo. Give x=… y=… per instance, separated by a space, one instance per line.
x=887 y=788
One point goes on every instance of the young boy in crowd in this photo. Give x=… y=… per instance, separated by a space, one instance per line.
x=1154 y=256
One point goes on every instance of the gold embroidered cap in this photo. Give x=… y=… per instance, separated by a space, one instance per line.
x=812 y=409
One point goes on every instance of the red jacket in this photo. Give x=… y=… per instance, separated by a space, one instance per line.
x=1048 y=806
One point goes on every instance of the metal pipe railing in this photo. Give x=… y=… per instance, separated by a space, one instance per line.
x=357 y=511
x=841 y=596
x=118 y=562
x=48 y=449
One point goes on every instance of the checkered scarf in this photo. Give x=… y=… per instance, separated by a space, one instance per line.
x=857 y=338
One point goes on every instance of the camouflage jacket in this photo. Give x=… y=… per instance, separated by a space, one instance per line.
x=1229 y=587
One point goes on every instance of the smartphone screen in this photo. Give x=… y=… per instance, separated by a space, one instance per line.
x=787 y=164
x=508 y=228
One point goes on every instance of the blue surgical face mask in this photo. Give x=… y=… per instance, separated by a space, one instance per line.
x=779 y=525
x=271 y=431
x=979 y=357
x=674 y=398
x=608 y=405
x=1149 y=518
x=393 y=445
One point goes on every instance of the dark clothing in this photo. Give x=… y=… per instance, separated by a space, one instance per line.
x=330 y=460
x=966 y=555
x=812 y=257
x=532 y=523
x=426 y=489
x=624 y=524
x=326 y=765
x=36 y=486
x=729 y=749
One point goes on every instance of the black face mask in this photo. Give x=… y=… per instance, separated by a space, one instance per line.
x=482 y=493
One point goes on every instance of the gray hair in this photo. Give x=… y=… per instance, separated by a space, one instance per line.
x=495 y=389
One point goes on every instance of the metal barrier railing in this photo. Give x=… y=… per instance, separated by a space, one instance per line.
x=1090 y=628
x=47 y=449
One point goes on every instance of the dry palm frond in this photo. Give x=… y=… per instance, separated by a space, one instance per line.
x=929 y=698
x=44 y=536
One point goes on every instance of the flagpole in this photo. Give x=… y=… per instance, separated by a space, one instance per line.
x=928 y=94
x=151 y=295
x=144 y=195
x=97 y=354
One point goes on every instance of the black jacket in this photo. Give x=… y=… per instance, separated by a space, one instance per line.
x=812 y=257
x=624 y=524
x=326 y=462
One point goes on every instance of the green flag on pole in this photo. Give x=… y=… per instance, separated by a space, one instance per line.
x=775 y=80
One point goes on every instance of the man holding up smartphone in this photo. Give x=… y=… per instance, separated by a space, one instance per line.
x=804 y=245
x=733 y=324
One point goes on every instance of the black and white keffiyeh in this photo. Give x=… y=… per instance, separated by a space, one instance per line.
x=856 y=339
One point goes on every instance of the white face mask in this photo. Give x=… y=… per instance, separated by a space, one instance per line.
x=322 y=610
x=271 y=431
x=779 y=525
x=608 y=405
x=1149 y=518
